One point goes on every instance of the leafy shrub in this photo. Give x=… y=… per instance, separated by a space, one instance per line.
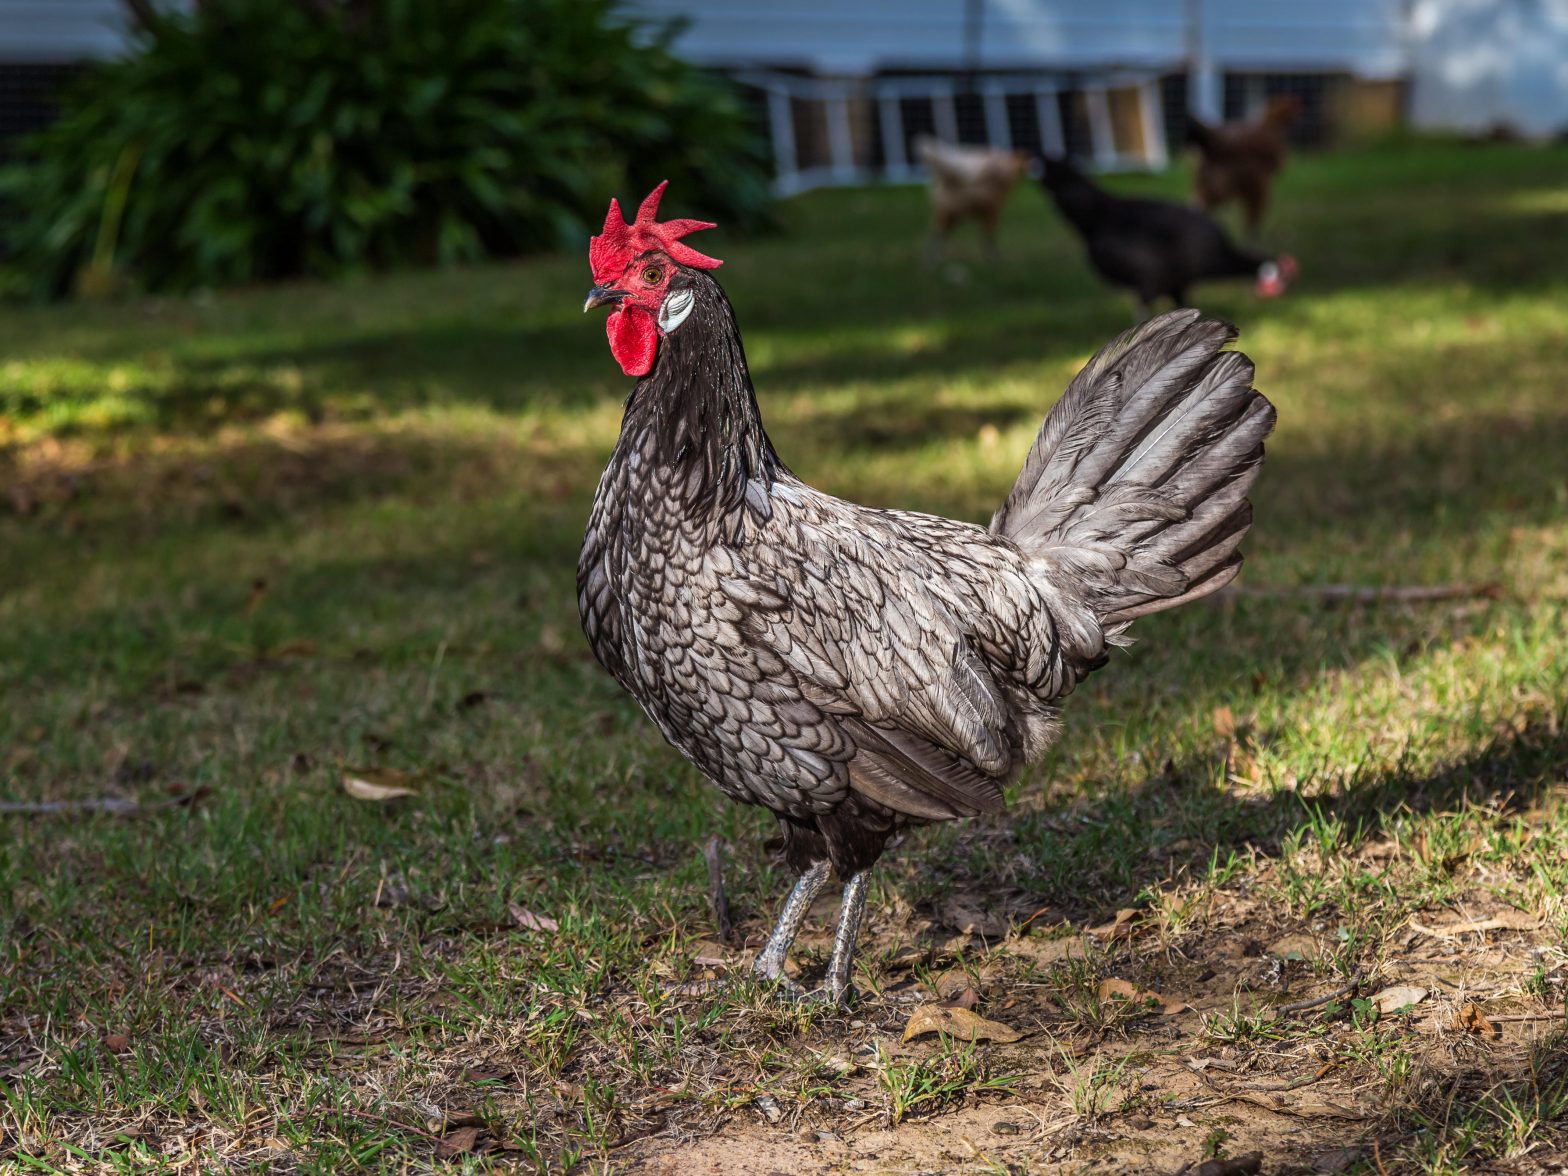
x=256 y=139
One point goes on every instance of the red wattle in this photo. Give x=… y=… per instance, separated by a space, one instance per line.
x=634 y=339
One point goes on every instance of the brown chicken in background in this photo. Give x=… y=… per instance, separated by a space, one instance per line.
x=967 y=182
x=1238 y=161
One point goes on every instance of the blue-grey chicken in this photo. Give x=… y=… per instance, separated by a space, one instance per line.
x=859 y=671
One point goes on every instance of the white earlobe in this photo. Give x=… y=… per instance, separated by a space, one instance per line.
x=675 y=309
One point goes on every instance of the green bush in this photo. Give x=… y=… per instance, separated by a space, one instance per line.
x=257 y=139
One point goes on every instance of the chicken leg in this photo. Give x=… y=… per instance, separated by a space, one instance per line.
x=769 y=965
x=770 y=960
x=841 y=964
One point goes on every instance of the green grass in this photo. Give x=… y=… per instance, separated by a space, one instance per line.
x=254 y=538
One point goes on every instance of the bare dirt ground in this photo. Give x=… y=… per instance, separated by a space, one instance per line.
x=1208 y=1070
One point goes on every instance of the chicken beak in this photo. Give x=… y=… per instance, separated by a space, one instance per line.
x=601 y=295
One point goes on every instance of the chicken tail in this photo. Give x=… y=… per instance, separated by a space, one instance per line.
x=1135 y=491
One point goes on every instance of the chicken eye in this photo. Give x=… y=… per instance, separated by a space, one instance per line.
x=652 y=274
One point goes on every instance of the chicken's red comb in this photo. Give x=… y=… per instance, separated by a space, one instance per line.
x=615 y=247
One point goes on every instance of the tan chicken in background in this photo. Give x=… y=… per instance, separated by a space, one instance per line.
x=967 y=183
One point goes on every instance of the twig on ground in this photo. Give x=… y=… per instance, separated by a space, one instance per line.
x=118 y=806
x=721 y=904
x=1455 y=930
x=386 y=1122
x=1295 y=1083
x=1367 y=594
x=1302 y=1006
x=1300 y=1110
x=1544 y=1015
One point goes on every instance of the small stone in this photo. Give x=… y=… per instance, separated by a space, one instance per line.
x=1003 y=1127
x=766 y=1104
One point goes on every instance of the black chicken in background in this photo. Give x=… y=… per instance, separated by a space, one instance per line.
x=859 y=671
x=1156 y=248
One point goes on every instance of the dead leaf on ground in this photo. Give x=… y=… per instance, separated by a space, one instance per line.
x=965 y=917
x=1241 y=766
x=1224 y=722
x=258 y=593
x=1118 y=928
x=1337 y=1159
x=957 y=1022
x=1469 y=1018
x=708 y=954
x=459 y=1142
x=967 y=999
x=1400 y=996
x=377 y=784
x=528 y=921
x=1114 y=989
x=294 y=647
x=475 y=1074
x=1044 y=952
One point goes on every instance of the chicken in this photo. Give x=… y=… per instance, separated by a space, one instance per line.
x=860 y=671
x=1238 y=161
x=1155 y=247
x=967 y=182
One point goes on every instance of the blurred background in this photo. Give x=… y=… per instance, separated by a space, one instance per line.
x=324 y=842
x=363 y=133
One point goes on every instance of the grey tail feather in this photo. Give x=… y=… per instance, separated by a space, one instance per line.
x=1136 y=488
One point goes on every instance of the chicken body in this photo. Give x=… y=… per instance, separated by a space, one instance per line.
x=967 y=183
x=1156 y=248
x=807 y=653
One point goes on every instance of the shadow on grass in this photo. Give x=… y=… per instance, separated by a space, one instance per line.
x=1097 y=855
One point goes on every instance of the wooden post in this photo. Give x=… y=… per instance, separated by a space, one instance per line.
x=1102 y=138
x=895 y=157
x=841 y=142
x=781 y=119
x=1151 y=112
x=1049 y=113
x=996 y=128
x=945 y=112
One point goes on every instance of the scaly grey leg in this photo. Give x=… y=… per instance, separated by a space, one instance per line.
x=842 y=964
x=770 y=960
